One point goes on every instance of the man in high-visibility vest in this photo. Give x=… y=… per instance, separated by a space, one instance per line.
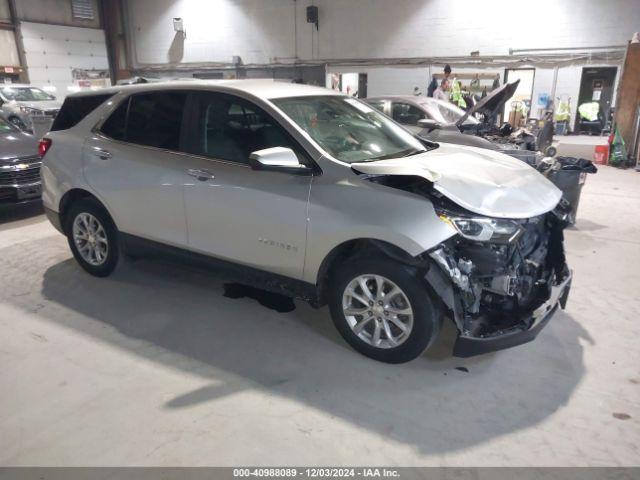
x=456 y=94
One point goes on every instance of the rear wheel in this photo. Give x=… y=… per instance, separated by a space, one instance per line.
x=92 y=237
x=382 y=310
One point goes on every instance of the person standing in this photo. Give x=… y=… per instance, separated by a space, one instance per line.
x=442 y=92
x=433 y=86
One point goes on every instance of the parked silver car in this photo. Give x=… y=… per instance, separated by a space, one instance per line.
x=311 y=193
x=19 y=102
x=442 y=121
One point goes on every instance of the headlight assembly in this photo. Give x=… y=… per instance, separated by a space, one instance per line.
x=484 y=229
x=28 y=110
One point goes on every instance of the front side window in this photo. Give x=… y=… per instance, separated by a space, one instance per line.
x=348 y=129
x=25 y=94
x=406 y=114
x=230 y=128
x=153 y=119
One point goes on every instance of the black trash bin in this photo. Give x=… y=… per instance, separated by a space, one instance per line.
x=570 y=182
x=570 y=178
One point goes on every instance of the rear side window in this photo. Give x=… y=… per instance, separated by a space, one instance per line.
x=152 y=119
x=116 y=125
x=74 y=109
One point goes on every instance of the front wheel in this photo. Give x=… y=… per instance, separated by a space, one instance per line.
x=92 y=237
x=383 y=310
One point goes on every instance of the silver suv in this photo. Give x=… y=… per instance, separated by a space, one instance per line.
x=310 y=193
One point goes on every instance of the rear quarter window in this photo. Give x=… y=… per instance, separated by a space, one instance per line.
x=74 y=109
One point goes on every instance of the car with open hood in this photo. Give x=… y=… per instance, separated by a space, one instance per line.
x=307 y=192
x=19 y=165
x=20 y=102
x=442 y=121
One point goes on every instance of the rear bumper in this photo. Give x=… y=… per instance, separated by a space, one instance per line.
x=469 y=346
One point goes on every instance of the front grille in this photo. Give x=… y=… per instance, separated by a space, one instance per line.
x=44 y=113
x=18 y=174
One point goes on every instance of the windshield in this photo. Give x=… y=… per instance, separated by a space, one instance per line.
x=25 y=94
x=449 y=113
x=5 y=127
x=348 y=129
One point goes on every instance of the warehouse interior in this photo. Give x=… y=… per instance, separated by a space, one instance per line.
x=162 y=364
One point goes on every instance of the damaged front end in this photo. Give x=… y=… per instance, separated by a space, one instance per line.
x=502 y=279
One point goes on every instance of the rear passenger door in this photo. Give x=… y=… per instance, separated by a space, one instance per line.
x=256 y=218
x=134 y=165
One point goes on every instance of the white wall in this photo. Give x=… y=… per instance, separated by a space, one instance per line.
x=55 y=12
x=52 y=51
x=260 y=31
x=217 y=30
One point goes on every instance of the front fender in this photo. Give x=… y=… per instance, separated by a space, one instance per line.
x=353 y=209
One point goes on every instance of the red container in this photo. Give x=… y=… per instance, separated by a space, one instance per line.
x=601 y=154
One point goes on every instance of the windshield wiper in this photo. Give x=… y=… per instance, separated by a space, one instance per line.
x=415 y=151
x=401 y=154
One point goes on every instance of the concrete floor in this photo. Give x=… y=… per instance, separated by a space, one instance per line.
x=154 y=366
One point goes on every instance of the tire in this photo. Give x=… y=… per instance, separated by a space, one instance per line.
x=87 y=217
x=426 y=314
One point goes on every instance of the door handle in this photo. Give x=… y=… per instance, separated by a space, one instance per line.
x=201 y=174
x=101 y=153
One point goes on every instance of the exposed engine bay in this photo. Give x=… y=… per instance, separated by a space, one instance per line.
x=501 y=273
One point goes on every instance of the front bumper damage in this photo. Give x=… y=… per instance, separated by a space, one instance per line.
x=493 y=312
x=527 y=329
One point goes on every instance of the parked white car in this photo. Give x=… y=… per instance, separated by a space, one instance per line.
x=19 y=102
x=308 y=192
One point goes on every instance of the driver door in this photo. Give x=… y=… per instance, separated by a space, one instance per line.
x=235 y=213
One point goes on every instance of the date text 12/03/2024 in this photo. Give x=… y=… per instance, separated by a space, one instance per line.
x=316 y=472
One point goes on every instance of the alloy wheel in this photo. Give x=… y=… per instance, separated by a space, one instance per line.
x=377 y=311
x=90 y=239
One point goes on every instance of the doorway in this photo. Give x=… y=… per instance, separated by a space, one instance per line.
x=353 y=84
x=516 y=109
x=596 y=85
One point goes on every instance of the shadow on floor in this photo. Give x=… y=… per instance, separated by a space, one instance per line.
x=181 y=319
x=22 y=214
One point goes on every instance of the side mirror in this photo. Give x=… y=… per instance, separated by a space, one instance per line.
x=429 y=124
x=278 y=159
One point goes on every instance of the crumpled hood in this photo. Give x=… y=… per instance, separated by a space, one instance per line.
x=482 y=181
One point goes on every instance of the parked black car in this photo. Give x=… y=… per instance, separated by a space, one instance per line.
x=19 y=165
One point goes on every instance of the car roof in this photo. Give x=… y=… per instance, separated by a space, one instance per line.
x=266 y=89
x=19 y=85
x=405 y=98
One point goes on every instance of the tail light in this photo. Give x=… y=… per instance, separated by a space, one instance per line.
x=44 y=146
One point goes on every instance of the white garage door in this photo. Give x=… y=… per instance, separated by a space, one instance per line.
x=53 y=53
